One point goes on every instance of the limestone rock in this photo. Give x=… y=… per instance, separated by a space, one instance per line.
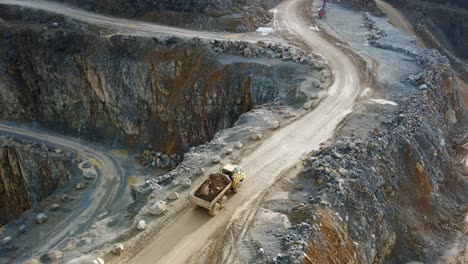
x=199 y=171
x=238 y=145
x=215 y=159
x=141 y=225
x=187 y=183
x=256 y=136
x=54 y=207
x=7 y=240
x=41 y=218
x=173 y=196
x=118 y=249
x=22 y=229
x=158 y=208
x=229 y=151
x=98 y=261
x=80 y=186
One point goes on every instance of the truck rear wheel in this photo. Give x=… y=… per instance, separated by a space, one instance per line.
x=215 y=209
x=222 y=202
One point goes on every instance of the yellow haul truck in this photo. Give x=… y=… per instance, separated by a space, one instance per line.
x=211 y=194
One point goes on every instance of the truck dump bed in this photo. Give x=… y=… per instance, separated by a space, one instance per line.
x=212 y=187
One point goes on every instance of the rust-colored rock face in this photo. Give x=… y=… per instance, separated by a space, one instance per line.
x=13 y=195
x=27 y=176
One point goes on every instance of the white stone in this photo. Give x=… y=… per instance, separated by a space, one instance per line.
x=423 y=87
x=7 y=240
x=216 y=159
x=141 y=225
x=229 y=151
x=118 y=249
x=199 y=171
x=173 y=196
x=186 y=183
x=80 y=186
x=58 y=151
x=54 y=207
x=238 y=145
x=256 y=136
x=261 y=251
x=41 y=218
x=98 y=261
x=158 y=208
x=273 y=124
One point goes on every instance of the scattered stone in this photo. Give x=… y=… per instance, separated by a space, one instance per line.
x=158 y=208
x=343 y=171
x=423 y=87
x=229 y=151
x=98 y=261
x=289 y=114
x=65 y=197
x=58 y=151
x=80 y=186
x=187 y=183
x=199 y=171
x=341 y=145
x=118 y=249
x=41 y=218
x=7 y=240
x=238 y=145
x=22 y=229
x=141 y=225
x=51 y=257
x=273 y=125
x=89 y=175
x=54 y=207
x=215 y=159
x=308 y=105
x=261 y=251
x=173 y=196
x=55 y=24
x=256 y=136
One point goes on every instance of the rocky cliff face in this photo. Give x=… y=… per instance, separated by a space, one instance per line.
x=166 y=92
x=394 y=197
x=230 y=15
x=28 y=174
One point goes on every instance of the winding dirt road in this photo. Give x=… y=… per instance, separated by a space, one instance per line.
x=185 y=237
x=102 y=193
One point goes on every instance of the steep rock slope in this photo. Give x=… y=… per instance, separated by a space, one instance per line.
x=166 y=92
x=28 y=174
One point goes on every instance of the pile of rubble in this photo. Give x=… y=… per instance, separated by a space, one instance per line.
x=269 y=50
x=159 y=159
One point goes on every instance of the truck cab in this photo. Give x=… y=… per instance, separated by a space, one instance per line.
x=235 y=173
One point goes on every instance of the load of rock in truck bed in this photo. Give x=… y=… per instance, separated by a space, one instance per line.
x=214 y=185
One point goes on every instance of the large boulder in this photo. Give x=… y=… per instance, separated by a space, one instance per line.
x=41 y=218
x=141 y=225
x=118 y=249
x=158 y=208
x=173 y=196
x=7 y=240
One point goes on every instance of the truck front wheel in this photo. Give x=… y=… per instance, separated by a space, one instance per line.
x=215 y=209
